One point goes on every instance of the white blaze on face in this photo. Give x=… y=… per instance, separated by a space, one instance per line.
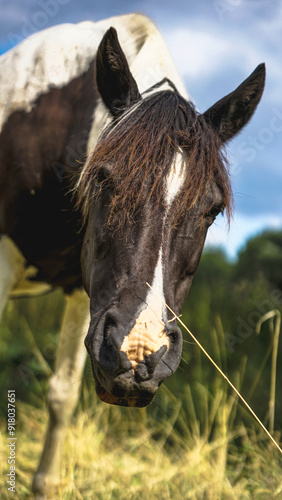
x=175 y=177
x=148 y=334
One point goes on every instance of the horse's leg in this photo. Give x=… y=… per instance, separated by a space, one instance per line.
x=11 y=268
x=63 y=390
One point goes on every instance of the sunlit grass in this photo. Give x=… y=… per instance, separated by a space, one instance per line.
x=114 y=453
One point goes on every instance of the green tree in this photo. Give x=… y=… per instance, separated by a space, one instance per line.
x=262 y=255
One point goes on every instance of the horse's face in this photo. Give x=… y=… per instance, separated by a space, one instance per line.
x=133 y=341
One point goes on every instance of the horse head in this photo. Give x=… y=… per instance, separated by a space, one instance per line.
x=151 y=188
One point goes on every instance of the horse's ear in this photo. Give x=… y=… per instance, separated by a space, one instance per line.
x=115 y=82
x=230 y=114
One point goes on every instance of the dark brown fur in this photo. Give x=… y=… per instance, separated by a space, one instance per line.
x=40 y=150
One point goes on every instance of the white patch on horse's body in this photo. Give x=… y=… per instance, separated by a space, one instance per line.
x=49 y=58
x=55 y=56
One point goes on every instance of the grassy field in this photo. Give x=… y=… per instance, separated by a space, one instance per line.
x=114 y=453
x=201 y=444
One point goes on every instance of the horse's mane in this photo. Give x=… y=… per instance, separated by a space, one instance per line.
x=139 y=150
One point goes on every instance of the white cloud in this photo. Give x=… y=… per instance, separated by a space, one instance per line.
x=207 y=51
x=199 y=54
x=192 y=51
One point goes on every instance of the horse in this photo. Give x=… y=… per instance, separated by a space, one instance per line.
x=109 y=180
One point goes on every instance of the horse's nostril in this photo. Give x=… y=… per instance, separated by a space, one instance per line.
x=174 y=334
x=109 y=323
x=112 y=340
x=106 y=350
x=110 y=327
x=173 y=337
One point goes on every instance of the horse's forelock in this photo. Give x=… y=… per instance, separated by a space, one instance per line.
x=140 y=150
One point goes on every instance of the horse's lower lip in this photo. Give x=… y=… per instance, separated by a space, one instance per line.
x=133 y=402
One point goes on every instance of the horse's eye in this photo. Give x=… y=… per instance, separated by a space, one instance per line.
x=213 y=212
x=103 y=179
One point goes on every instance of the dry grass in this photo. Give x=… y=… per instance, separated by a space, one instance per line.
x=122 y=454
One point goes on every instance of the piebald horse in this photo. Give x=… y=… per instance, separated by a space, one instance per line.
x=109 y=178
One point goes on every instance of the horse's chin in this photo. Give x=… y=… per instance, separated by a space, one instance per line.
x=133 y=402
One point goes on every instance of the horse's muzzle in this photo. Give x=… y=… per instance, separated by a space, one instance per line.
x=131 y=358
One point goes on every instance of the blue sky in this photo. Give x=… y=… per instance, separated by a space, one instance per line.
x=215 y=44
